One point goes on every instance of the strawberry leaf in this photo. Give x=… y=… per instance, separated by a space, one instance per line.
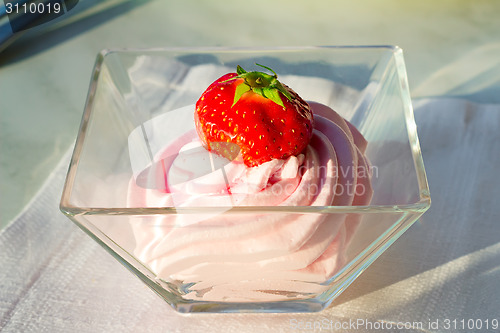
x=240 y=70
x=269 y=69
x=273 y=95
x=282 y=90
x=240 y=90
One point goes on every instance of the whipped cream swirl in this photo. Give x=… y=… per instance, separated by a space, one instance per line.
x=227 y=256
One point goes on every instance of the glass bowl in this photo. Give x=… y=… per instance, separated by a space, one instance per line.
x=140 y=100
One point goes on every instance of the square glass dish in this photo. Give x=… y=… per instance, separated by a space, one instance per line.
x=217 y=256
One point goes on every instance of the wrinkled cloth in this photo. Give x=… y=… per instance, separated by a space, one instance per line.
x=55 y=278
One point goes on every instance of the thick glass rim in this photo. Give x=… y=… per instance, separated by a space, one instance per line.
x=420 y=206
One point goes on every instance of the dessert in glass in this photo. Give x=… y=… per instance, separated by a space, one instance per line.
x=264 y=192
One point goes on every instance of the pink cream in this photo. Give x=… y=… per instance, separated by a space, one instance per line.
x=223 y=251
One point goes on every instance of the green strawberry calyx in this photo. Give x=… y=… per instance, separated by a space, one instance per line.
x=260 y=83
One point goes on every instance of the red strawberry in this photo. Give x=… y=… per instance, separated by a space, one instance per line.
x=255 y=113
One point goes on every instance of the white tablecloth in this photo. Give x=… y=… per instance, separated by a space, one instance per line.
x=54 y=278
